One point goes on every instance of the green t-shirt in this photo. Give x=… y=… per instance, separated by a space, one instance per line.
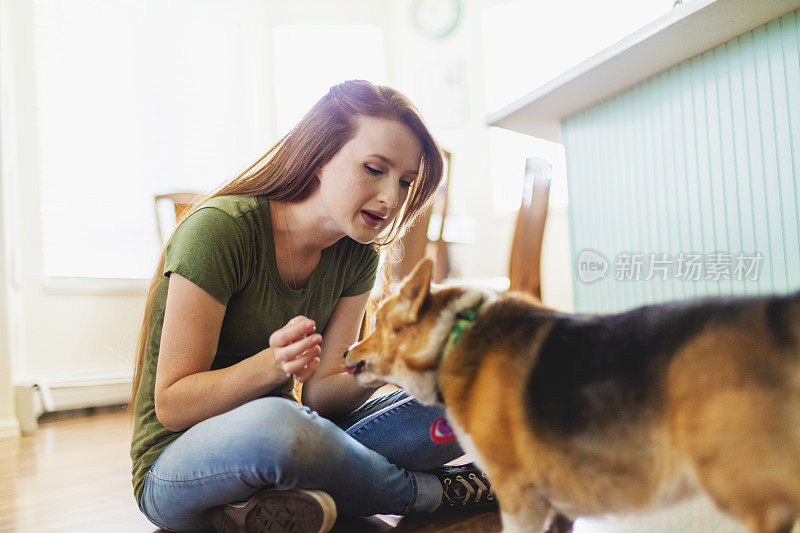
x=226 y=247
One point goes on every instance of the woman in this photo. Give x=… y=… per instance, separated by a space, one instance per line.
x=267 y=279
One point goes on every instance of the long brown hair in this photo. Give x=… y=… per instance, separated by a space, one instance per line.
x=286 y=173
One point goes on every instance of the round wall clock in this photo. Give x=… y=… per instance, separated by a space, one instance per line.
x=436 y=19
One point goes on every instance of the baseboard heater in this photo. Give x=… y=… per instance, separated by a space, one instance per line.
x=40 y=395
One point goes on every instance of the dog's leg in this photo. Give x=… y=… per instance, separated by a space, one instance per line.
x=766 y=525
x=560 y=524
x=529 y=515
x=520 y=523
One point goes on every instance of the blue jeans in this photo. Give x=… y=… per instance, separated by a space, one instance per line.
x=371 y=461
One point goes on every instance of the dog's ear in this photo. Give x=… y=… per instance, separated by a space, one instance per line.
x=417 y=286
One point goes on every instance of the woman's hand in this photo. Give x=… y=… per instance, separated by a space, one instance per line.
x=296 y=348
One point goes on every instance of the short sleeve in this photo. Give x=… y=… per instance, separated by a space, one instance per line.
x=365 y=270
x=208 y=249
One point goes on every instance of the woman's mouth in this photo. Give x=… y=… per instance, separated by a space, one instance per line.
x=372 y=219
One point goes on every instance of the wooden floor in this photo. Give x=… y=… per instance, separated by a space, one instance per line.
x=75 y=475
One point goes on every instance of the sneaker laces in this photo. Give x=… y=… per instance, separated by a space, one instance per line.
x=466 y=490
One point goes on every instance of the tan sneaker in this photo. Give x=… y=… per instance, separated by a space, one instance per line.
x=276 y=510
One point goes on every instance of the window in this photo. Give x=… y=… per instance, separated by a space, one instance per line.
x=136 y=98
x=507 y=153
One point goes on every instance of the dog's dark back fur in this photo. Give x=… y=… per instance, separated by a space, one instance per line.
x=595 y=370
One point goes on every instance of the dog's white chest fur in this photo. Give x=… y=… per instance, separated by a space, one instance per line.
x=464 y=440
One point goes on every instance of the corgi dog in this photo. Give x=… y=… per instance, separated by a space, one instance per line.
x=575 y=415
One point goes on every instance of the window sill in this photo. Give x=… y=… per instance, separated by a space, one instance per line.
x=94 y=286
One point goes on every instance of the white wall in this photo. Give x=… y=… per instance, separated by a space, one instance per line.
x=8 y=423
x=556 y=270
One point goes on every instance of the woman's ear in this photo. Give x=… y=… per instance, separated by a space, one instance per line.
x=318 y=171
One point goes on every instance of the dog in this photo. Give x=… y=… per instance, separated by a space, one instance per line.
x=575 y=415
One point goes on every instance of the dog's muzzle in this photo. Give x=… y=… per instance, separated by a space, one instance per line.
x=355 y=369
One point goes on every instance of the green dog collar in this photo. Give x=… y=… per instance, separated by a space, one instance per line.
x=463 y=321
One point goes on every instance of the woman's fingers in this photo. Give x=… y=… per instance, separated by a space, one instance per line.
x=296 y=348
x=293 y=351
x=308 y=370
x=301 y=326
x=303 y=367
x=310 y=343
x=295 y=329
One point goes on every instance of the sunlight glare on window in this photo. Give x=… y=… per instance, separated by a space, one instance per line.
x=309 y=59
x=507 y=153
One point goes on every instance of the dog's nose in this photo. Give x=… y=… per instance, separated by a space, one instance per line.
x=345 y=353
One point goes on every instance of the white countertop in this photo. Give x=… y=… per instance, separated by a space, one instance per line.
x=686 y=31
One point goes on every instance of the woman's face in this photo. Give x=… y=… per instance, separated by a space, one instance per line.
x=364 y=185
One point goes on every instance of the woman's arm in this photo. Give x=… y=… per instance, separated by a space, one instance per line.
x=331 y=391
x=186 y=391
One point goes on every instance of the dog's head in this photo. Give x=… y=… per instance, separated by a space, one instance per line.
x=410 y=329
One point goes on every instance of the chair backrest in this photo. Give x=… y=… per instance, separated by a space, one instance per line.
x=524 y=269
x=180 y=202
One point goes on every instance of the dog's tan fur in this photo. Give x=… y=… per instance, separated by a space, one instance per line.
x=721 y=415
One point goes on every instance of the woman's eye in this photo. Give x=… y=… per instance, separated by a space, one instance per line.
x=405 y=184
x=372 y=170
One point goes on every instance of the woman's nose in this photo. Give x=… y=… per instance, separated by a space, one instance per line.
x=389 y=195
